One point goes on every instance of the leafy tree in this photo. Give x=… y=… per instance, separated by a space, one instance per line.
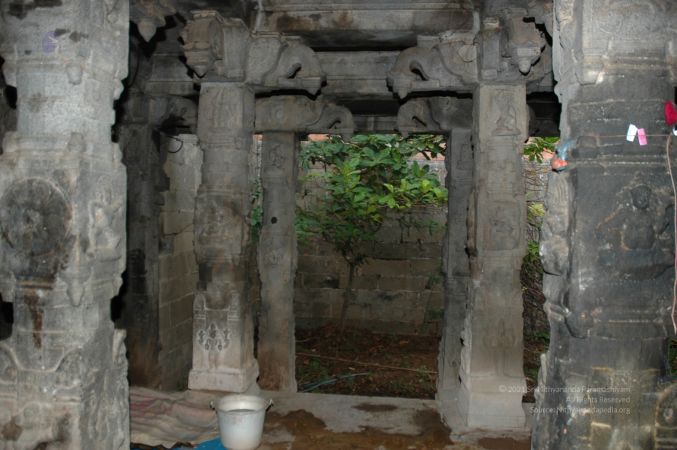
x=361 y=180
x=535 y=148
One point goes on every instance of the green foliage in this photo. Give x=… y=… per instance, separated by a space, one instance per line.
x=256 y=217
x=535 y=214
x=535 y=148
x=533 y=259
x=362 y=179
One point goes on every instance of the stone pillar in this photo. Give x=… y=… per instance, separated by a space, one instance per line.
x=459 y=164
x=277 y=262
x=139 y=315
x=62 y=227
x=608 y=242
x=280 y=118
x=233 y=65
x=223 y=331
x=492 y=379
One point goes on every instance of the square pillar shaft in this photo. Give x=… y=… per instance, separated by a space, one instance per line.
x=223 y=330
x=277 y=262
x=492 y=378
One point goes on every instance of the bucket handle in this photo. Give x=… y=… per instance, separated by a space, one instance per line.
x=270 y=404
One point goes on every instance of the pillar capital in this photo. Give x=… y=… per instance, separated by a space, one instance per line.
x=295 y=113
x=511 y=46
x=72 y=36
x=223 y=49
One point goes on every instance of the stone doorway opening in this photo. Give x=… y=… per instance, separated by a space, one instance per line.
x=375 y=332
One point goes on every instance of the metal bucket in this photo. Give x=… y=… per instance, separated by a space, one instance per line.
x=241 y=420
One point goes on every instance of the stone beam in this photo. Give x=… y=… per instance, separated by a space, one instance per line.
x=63 y=371
x=357 y=75
x=223 y=331
x=219 y=49
x=349 y=23
x=608 y=244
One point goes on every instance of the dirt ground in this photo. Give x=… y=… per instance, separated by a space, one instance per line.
x=359 y=362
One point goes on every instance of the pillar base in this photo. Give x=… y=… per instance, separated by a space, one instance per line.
x=493 y=403
x=224 y=379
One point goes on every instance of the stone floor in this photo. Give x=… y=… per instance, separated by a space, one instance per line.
x=327 y=422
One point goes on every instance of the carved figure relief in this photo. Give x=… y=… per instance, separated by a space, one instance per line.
x=505 y=114
x=276 y=156
x=35 y=221
x=8 y=365
x=503 y=232
x=297 y=66
x=634 y=237
x=105 y=232
x=445 y=65
x=214 y=338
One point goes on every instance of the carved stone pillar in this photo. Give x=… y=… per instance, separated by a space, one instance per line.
x=279 y=119
x=62 y=227
x=233 y=65
x=277 y=262
x=608 y=242
x=492 y=379
x=223 y=332
x=450 y=116
x=459 y=165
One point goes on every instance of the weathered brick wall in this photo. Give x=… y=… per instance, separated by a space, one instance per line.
x=177 y=264
x=397 y=290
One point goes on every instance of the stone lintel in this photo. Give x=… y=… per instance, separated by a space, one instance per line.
x=352 y=23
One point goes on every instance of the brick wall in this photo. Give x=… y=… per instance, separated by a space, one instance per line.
x=399 y=288
x=177 y=264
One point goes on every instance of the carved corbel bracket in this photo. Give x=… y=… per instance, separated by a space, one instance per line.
x=203 y=42
x=301 y=114
x=449 y=64
x=225 y=50
x=276 y=62
x=525 y=43
x=149 y=15
x=511 y=46
x=434 y=115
